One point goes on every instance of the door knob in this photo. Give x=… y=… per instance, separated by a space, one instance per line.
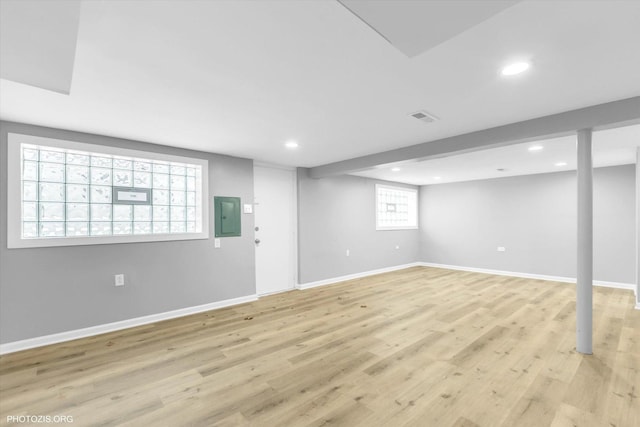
x=257 y=241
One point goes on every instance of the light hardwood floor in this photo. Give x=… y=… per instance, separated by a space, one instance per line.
x=417 y=347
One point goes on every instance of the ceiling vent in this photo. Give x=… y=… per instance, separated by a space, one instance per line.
x=424 y=116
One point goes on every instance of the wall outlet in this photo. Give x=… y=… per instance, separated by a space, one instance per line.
x=348 y=253
x=216 y=243
x=119 y=279
x=501 y=249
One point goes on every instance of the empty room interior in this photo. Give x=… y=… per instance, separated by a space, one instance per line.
x=309 y=213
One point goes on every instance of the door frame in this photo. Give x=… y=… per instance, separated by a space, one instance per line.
x=294 y=216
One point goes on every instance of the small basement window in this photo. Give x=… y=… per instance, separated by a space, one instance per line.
x=396 y=208
x=64 y=193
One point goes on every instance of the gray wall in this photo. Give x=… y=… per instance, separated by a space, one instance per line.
x=534 y=218
x=49 y=290
x=336 y=214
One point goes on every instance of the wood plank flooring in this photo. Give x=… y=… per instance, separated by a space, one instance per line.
x=417 y=347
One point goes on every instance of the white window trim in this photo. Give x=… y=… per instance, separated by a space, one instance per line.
x=401 y=227
x=14 y=194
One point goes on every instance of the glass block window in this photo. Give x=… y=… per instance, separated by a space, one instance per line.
x=67 y=194
x=396 y=208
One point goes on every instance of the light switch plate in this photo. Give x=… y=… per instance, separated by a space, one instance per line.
x=248 y=208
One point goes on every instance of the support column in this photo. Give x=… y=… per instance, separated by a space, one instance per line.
x=584 y=289
x=638 y=229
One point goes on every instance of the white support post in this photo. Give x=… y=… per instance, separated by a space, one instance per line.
x=638 y=229
x=584 y=288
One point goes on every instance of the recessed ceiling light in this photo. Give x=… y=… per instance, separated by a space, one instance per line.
x=515 y=68
x=437 y=178
x=291 y=144
x=395 y=169
x=536 y=148
x=561 y=164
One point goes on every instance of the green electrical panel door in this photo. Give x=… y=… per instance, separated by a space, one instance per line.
x=227 y=212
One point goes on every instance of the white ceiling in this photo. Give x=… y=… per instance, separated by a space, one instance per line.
x=243 y=77
x=28 y=52
x=416 y=26
x=611 y=147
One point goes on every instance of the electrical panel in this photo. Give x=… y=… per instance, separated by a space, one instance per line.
x=227 y=216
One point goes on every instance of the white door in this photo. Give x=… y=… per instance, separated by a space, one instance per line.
x=275 y=232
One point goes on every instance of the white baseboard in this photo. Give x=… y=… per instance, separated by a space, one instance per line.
x=617 y=285
x=116 y=326
x=281 y=291
x=144 y=320
x=332 y=280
